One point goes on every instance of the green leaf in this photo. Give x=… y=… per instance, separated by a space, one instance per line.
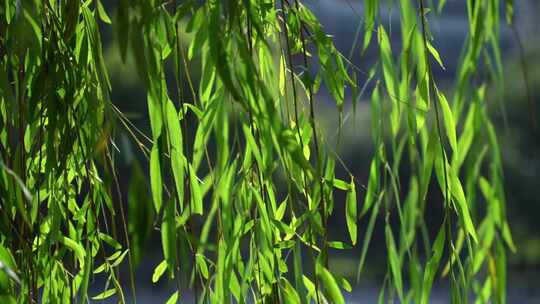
x=282 y=75
x=330 y=285
x=77 y=248
x=507 y=236
x=449 y=123
x=7 y=11
x=26 y=192
x=500 y=273
x=234 y=286
x=101 y=268
x=168 y=236
x=159 y=271
x=456 y=191
x=290 y=294
x=463 y=208
x=280 y=212
x=389 y=79
x=6 y=257
x=156 y=183
x=422 y=101
x=109 y=240
x=345 y=284
x=285 y=244
x=339 y=245
x=309 y=286
x=104 y=295
x=387 y=62
x=351 y=214
x=247 y=163
x=177 y=154
x=370 y=12
x=207 y=82
x=376 y=114
x=196 y=196
x=120 y=258
x=7 y=266
x=102 y=13
x=433 y=264
x=435 y=55
x=201 y=265
x=466 y=138
x=173 y=299
x=199 y=41
x=156 y=118
x=372 y=186
x=441 y=6
x=341 y=184
x=430 y=151
x=509 y=7
x=395 y=263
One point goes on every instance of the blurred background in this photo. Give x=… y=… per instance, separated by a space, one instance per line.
x=519 y=141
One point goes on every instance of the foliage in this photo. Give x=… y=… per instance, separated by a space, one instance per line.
x=215 y=194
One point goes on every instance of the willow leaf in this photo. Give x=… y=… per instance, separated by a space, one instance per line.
x=289 y=292
x=76 y=247
x=159 y=271
x=155 y=178
x=102 y=13
x=332 y=288
x=173 y=299
x=373 y=181
x=394 y=261
x=351 y=215
x=463 y=208
x=435 y=55
x=433 y=264
x=196 y=196
x=168 y=236
x=370 y=12
x=176 y=151
x=449 y=122
x=104 y=295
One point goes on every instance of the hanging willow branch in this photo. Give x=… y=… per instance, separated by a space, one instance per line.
x=241 y=187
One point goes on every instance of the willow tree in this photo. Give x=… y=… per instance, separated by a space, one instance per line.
x=243 y=201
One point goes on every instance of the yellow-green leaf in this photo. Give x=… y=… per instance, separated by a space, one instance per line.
x=155 y=178
x=102 y=13
x=435 y=55
x=351 y=214
x=77 y=248
x=449 y=123
x=159 y=271
x=104 y=295
x=196 y=196
x=173 y=298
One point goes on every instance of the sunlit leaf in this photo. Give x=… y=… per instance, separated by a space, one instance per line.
x=104 y=295
x=159 y=271
x=155 y=178
x=351 y=215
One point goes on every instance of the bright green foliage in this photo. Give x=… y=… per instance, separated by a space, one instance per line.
x=215 y=196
